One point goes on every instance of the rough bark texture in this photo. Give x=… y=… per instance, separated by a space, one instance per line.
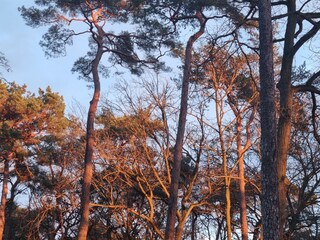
x=90 y=142
x=175 y=176
x=286 y=101
x=269 y=172
x=4 y=196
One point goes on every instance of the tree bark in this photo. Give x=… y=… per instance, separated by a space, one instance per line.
x=243 y=201
x=227 y=183
x=284 y=123
x=177 y=157
x=269 y=172
x=228 y=202
x=241 y=150
x=4 y=196
x=242 y=183
x=90 y=142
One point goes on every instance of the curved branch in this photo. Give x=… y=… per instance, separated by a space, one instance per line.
x=307 y=87
x=311 y=33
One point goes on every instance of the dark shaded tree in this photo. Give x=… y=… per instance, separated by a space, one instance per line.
x=297 y=33
x=269 y=167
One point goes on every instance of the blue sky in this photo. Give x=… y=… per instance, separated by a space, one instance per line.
x=20 y=44
x=30 y=66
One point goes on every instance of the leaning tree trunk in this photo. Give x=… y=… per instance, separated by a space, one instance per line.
x=177 y=157
x=4 y=196
x=90 y=142
x=269 y=172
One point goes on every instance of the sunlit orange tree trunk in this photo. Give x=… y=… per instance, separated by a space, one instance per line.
x=242 y=148
x=90 y=142
x=4 y=193
x=121 y=45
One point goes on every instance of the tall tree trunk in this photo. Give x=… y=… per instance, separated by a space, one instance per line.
x=228 y=199
x=241 y=150
x=242 y=146
x=227 y=179
x=243 y=201
x=242 y=182
x=177 y=157
x=269 y=172
x=90 y=142
x=4 y=196
x=286 y=101
x=227 y=184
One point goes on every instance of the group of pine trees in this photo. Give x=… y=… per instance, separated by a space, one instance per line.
x=226 y=146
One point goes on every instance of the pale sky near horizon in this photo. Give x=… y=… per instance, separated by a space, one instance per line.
x=20 y=45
